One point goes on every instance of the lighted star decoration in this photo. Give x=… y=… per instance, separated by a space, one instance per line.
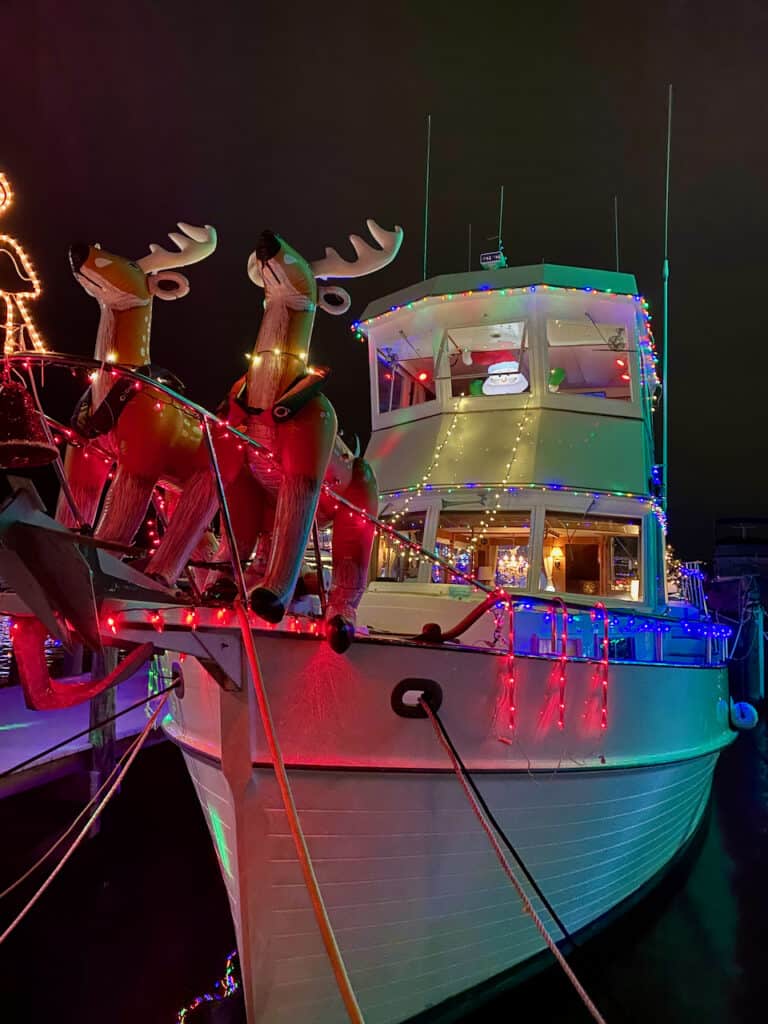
x=19 y=328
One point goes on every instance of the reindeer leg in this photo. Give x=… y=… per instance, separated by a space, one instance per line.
x=86 y=473
x=351 y=555
x=194 y=512
x=305 y=446
x=247 y=508
x=41 y=693
x=126 y=506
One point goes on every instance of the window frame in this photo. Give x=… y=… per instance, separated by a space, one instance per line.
x=641 y=518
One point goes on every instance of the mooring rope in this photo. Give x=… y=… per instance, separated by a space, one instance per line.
x=87 y=827
x=527 y=905
x=302 y=851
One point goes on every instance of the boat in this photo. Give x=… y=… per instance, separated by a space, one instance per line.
x=516 y=613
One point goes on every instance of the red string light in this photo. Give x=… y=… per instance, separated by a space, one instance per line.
x=603 y=662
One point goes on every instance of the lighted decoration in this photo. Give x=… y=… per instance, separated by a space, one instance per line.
x=279 y=404
x=556 y=378
x=222 y=989
x=148 y=435
x=505 y=379
x=24 y=442
x=19 y=284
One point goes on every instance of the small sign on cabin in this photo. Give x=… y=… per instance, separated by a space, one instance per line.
x=493 y=260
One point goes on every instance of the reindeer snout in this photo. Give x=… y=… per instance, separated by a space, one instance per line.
x=78 y=254
x=267 y=246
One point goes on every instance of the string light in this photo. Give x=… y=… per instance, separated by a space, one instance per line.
x=18 y=319
x=562 y=660
x=602 y=665
x=222 y=989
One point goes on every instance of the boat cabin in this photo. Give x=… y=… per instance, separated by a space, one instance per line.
x=511 y=416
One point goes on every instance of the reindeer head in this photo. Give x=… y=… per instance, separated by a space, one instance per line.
x=287 y=277
x=120 y=283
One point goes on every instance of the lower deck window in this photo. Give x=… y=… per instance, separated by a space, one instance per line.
x=394 y=561
x=491 y=546
x=593 y=555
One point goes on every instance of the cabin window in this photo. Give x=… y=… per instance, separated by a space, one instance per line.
x=394 y=561
x=589 y=358
x=487 y=360
x=491 y=546
x=406 y=373
x=594 y=555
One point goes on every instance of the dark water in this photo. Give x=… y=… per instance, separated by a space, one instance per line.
x=138 y=922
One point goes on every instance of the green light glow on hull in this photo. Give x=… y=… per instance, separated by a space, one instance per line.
x=217 y=827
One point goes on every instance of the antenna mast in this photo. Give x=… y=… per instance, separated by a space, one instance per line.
x=501 y=217
x=426 y=195
x=469 y=247
x=616 y=228
x=665 y=318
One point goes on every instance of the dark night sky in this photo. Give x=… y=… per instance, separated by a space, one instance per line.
x=118 y=119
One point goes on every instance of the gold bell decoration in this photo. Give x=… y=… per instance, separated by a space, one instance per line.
x=23 y=439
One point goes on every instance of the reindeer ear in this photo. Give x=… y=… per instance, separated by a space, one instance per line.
x=333 y=300
x=167 y=284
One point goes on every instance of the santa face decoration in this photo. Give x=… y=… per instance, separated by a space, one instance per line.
x=505 y=379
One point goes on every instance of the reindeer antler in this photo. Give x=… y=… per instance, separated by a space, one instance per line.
x=368 y=259
x=194 y=245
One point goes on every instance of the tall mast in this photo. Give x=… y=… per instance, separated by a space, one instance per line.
x=616 y=228
x=501 y=217
x=665 y=318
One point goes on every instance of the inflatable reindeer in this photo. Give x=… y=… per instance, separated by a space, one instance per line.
x=279 y=404
x=149 y=436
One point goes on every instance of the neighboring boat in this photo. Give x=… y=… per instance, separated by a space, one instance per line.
x=512 y=437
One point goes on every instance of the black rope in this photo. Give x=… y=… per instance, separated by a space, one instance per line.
x=84 y=732
x=502 y=835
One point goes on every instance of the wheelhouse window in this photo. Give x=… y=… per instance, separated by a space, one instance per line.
x=394 y=561
x=493 y=547
x=406 y=375
x=589 y=358
x=489 y=360
x=594 y=555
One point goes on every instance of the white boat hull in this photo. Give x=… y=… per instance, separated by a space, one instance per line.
x=420 y=906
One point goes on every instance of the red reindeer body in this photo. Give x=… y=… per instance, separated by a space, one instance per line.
x=150 y=437
x=281 y=408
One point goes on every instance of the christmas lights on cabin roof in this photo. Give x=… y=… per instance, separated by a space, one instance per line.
x=19 y=284
x=644 y=334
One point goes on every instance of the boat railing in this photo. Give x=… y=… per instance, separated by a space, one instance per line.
x=621 y=632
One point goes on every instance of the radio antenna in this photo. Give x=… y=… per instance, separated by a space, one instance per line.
x=426 y=195
x=501 y=217
x=665 y=318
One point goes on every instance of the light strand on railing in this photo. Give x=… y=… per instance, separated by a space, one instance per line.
x=510 y=667
x=602 y=667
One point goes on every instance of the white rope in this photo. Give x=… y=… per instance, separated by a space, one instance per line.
x=86 y=828
x=527 y=905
